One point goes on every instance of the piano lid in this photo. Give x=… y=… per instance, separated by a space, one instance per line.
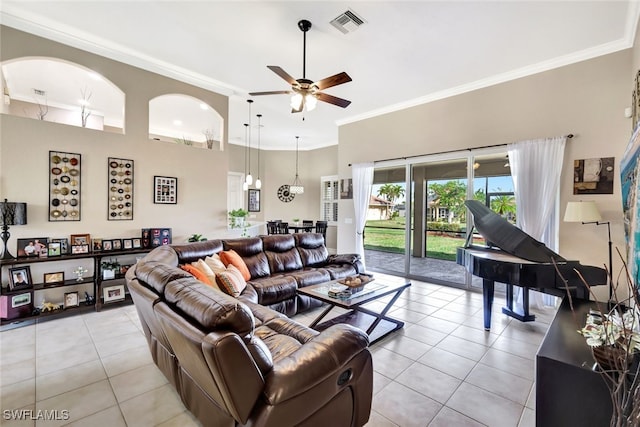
x=500 y=232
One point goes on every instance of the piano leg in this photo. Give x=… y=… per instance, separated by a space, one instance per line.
x=509 y=311
x=487 y=300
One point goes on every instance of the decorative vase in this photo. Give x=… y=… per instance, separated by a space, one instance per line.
x=611 y=357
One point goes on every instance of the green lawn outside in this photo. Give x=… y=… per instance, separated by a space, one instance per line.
x=392 y=239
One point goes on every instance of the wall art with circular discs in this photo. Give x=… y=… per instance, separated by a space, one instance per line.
x=120 y=189
x=64 y=186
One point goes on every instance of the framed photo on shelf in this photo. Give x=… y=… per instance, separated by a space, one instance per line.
x=165 y=190
x=64 y=245
x=96 y=245
x=79 y=249
x=32 y=247
x=254 y=200
x=116 y=244
x=20 y=300
x=127 y=243
x=53 y=249
x=20 y=278
x=80 y=239
x=107 y=245
x=113 y=293
x=53 y=278
x=137 y=243
x=71 y=299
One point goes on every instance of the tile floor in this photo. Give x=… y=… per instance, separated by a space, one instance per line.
x=442 y=369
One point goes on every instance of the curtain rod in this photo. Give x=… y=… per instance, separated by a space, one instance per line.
x=569 y=136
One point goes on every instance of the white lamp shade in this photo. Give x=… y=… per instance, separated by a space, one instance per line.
x=296 y=101
x=258 y=184
x=310 y=102
x=245 y=186
x=582 y=212
x=249 y=179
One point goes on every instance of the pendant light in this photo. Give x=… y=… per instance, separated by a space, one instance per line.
x=245 y=186
x=296 y=187
x=249 y=179
x=258 y=181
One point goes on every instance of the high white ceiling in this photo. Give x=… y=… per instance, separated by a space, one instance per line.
x=406 y=53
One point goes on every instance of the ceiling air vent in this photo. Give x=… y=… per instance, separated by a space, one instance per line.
x=347 y=22
x=39 y=92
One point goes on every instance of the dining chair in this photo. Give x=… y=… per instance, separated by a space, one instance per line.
x=308 y=225
x=321 y=227
x=283 y=228
x=272 y=227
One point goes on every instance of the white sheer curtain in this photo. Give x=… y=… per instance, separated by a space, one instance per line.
x=362 y=174
x=536 y=166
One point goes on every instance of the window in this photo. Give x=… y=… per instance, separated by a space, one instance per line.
x=329 y=196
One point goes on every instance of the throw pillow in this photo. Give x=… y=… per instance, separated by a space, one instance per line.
x=231 y=257
x=215 y=263
x=196 y=273
x=206 y=270
x=231 y=281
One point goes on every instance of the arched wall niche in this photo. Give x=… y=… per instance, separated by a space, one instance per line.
x=60 y=91
x=184 y=119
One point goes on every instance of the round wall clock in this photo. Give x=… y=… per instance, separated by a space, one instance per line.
x=284 y=194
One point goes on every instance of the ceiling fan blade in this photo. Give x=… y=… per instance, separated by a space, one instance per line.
x=282 y=73
x=333 y=100
x=336 y=80
x=273 y=92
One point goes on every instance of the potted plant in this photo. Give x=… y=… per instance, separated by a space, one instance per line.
x=237 y=218
x=196 y=238
x=109 y=269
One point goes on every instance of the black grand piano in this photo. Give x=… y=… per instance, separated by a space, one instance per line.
x=517 y=259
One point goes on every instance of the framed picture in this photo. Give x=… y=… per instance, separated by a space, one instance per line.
x=20 y=300
x=71 y=299
x=593 y=176
x=20 y=278
x=53 y=278
x=97 y=245
x=64 y=245
x=254 y=201
x=32 y=247
x=120 y=189
x=64 y=186
x=137 y=243
x=53 y=249
x=346 y=188
x=127 y=243
x=79 y=249
x=107 y=245
x=116 y=244
x=113 y=293
x=165 y=190
x=80 y=239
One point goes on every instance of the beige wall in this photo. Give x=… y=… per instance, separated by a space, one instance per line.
x=24 y=146
x=587 y=99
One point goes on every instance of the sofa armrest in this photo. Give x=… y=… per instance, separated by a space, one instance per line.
x=351 y=259
x=316 y=360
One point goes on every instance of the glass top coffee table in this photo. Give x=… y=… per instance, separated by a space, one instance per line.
x=377 y=325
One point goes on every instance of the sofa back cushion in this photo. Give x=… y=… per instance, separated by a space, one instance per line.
x=281 y=252
x=209 y=308
x=156 y=274
x=313 y=252
x=252 y=252
x=194 y=251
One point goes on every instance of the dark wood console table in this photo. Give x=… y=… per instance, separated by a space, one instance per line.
x=568 y=392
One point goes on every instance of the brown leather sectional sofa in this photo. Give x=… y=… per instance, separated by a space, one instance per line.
x=235 y=362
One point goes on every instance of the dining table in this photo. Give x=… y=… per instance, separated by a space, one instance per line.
x=298 y=228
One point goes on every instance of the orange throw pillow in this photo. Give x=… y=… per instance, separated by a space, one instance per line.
x=197 y=274
x=231 y=257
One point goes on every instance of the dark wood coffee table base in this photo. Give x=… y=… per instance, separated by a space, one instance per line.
x=377 y=325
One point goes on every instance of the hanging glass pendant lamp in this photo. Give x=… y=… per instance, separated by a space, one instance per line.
x=249 y=178
x=245 y=186
x=258 y=181
x=296 y=187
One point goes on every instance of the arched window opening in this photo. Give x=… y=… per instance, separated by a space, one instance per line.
x=55 y=90
x=185 y=120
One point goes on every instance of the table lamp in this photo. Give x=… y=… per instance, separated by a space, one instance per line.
x=588 y=213
x=11 y=213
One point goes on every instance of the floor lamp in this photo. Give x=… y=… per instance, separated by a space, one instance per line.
x=11 y=213
x=588 y=213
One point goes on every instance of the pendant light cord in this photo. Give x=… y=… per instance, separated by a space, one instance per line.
x=259 y=126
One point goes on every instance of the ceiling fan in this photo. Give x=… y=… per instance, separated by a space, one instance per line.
x=306 y=92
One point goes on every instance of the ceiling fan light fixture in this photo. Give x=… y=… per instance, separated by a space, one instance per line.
x=310 y=101
x=296 y=189
x=245 y=186
x=296 y=101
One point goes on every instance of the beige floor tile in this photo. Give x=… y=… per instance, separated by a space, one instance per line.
x=122 y=326
x=20 y=417
x=449 y=315
x=137 y=381
x=528 y=418
x=379 y=382
x=377 y=420
x=388 y=363
x=405 y=346
x=59 y=323
x=416 y=306
x=447 y=362
x=12 y=373
x=80 y=402
x=439 y=324
x=18 y=394
x=67 y=358
x=531 y=400
x=479 y=336
x=428 y=381
x=405 y=407
x=464 y=309
x=152 y=408
x=519 y=348
x=501 y=383
x=406 y=315
x=68 y=379
x=127 y=360
x=16 y=352
x=485 y=407
x=66 y=338
x=510 y=363
x=110 y=346
x=18 y=337
x=529 y=332
x=462 y=347
x=449 y=418
x=424 y=334
x=185 y=419
x=111 y=417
